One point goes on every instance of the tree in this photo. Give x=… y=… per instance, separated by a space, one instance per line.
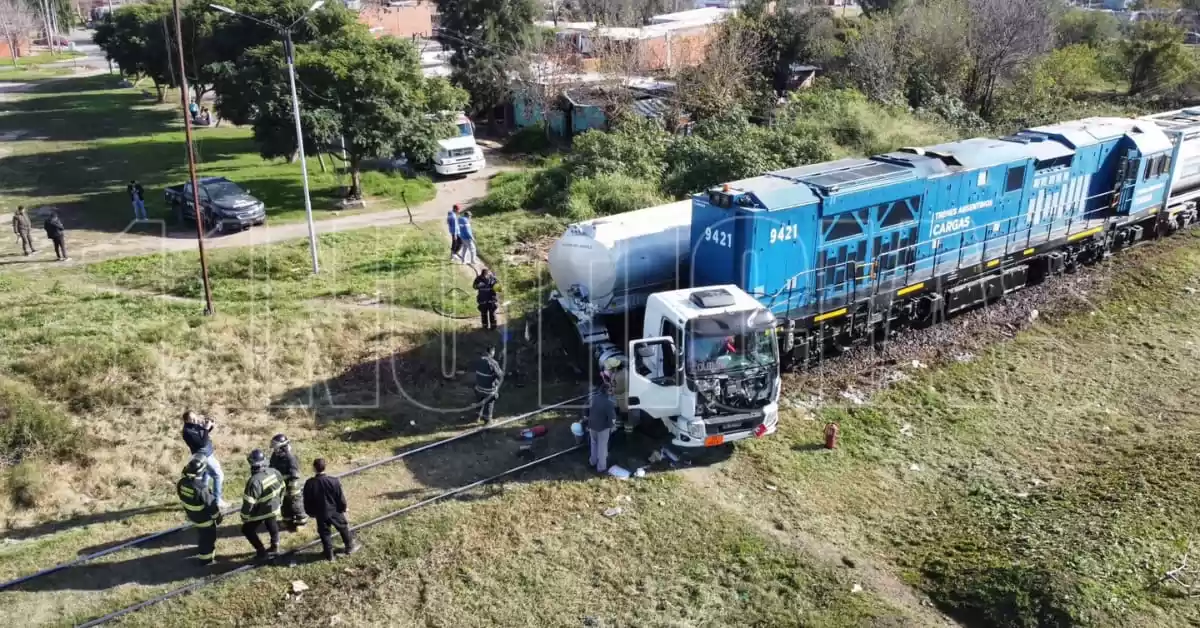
x=635 y=147
x=1002 y=36
x=932 y=41
x=17 y=20
x=135 y=37
x=726 y=79
x=1092 y=28
x=790 y=33
x=1157 y=59
x=731 y=148
x=372 y=92
x=1048 y=85
x=873 y=63
x=491 y=40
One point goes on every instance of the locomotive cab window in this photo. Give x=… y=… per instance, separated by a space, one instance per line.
x=838 y=227
x=1016 y=179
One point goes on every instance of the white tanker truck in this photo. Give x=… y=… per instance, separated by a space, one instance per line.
x=705 y=361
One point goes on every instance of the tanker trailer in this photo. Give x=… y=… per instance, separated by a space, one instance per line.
x=705 y=361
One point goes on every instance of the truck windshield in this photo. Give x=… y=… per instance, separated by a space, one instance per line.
x=465 y=130
x=222 y=189
x=728 y=343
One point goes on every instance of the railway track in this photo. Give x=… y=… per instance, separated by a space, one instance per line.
x=184 y=590
x=348 y=473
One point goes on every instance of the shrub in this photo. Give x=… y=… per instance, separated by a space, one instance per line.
x=1005 y=596
x=531 y=140
x=607 y=194
x=508 y=191
x=29 y=427
x=635 y=147
x=27 y=484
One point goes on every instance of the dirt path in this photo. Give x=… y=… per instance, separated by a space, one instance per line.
x=88 y=246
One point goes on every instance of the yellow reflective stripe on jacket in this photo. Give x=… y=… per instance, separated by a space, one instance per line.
x=193 y=508
x=249 y=500
x=203 y=525
x=268 y=481
x=272 y=514
x=187 y=490
x=207 y=556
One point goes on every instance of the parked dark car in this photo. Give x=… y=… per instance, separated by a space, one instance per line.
x=224 y=205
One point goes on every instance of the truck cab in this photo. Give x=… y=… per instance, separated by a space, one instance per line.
x=459 y=154
x=706 y=367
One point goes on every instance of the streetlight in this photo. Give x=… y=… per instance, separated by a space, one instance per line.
x=289 y=52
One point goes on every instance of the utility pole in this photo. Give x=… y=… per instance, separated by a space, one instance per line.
x=191 y=157
x=289 y=51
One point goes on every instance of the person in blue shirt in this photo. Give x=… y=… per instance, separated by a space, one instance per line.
x=455 y=241
x=468 y=251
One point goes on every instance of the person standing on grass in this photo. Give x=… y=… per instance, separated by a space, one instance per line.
x=600 y=421
x=261 y=504
x=200 y=506
x=323 y=498
x=486 y=298
x=197 y=431
x=488 y=377
x=455 y=241
x=137 y=196
x=468 y=251
x=22 y=227
x=58 y=235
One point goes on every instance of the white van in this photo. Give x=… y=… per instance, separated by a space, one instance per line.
x=459 y=154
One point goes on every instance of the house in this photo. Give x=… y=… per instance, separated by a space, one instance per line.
x=801 y=76
x=572 y=103
x=406 y=19
x=667 y=43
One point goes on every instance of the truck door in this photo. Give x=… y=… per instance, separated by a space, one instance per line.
x=654 y=376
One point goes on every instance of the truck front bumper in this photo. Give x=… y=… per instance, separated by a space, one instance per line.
x=715 y=437
x=462 y=167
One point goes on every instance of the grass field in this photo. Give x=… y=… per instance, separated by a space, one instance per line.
x=76 y=142
x=1050 y=481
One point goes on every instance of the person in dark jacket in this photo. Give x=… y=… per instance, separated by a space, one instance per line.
x=137 y=196
x=21 y=227
x=455 y=241
x=197 y=434
x=600 y=422
x=488 y=377
x=286 y=463
x=260 y=504
x=58 y=235
x=323 y=498
x=486 y=297
x=200 y=506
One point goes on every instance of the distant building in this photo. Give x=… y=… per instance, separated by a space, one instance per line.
x=405 y=20
x=669 y=42
x=6 y=49
x=1118 y=5
x=571 y=103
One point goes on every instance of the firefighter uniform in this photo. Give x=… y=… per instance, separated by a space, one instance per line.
x=286 y=463
x=200 y=506
x=261 y=504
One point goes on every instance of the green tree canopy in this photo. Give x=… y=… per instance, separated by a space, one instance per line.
x=490 y=40
x=1158 y=60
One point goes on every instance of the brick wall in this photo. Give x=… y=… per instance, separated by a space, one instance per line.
x=404 y=21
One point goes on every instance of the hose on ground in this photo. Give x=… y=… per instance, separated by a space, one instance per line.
x=457 y=317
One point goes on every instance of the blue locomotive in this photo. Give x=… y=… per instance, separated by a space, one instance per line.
x=842 y=249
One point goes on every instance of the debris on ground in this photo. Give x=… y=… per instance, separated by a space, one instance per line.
x=621 y=473
x=853 y=397
x=640 y=473
x=613 y=512
x=914 y=467
x=298 y=587
x=906 y=429
x=857 y=588
x=1033 y=315
x=772 y=487
x=849 y=562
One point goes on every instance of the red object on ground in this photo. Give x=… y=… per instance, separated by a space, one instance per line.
x=533 y=432
x=831 y=435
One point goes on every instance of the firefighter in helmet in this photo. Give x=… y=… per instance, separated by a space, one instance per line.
x=260 y=504
x=286 y=463
x=200 y=506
